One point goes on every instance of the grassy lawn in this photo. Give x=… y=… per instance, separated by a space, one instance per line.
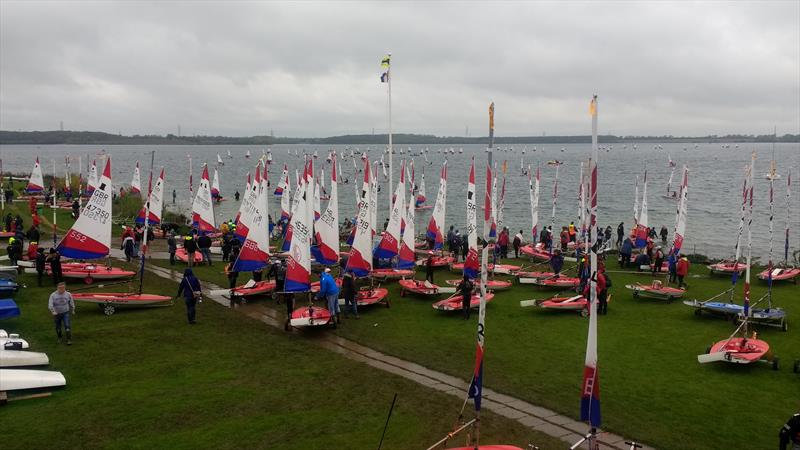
x=146 y=379
x=653 y=389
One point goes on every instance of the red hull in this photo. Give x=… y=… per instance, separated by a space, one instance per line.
x=418 y=287
x=727 y=267
x=371 y=296
x=260 y=288
x=454 y=303
x=90 y=272
x=438 y=261
x=741 y=350
x=780 y=274
x=391 y=274
x=560 y=282
x=535 y=252
x=495 y=285
x=183 y=256
x=315 y=315
x=662 y=293
x=577 y=303
x=123 y=299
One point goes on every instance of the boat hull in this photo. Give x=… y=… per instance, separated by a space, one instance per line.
x=18 y=358
x=454 y=303
x=663 y=293
x=311 y=316
x=259 y=288
x=21 y=379
x=782 y=274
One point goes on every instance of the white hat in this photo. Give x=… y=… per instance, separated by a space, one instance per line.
x=327 y=269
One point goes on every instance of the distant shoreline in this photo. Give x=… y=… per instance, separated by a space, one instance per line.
x=100 y=138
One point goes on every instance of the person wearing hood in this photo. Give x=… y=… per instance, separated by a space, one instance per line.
x=190 y=246
x=192 y=293
x=556 y=262
x=329 y=291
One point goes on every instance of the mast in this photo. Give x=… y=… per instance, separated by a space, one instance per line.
x=553 y=214
x=749 y=243
x=590 y=397
x=53 y=187
x=738 y=250
x=146 y=218
x=387 y=78
x=788 y=218
x=769 y=263
x=489 y=230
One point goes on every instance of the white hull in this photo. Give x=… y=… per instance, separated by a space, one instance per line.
x=17 y=379
x=16 y=358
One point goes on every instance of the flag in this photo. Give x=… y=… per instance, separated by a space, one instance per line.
x=385 y=66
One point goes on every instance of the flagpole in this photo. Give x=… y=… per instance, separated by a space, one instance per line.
x=53 y=184
x=391 y=151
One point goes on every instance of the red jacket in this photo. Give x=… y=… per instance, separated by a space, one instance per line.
x=682 y=268
x=601 y=286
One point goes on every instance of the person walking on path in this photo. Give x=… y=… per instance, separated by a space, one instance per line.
x=204 y=244
x=192 y=293
x=330 y=292
x=172 y=247
x=465 y=289
x=190 y=246
x=349 y=294
x=60 y=305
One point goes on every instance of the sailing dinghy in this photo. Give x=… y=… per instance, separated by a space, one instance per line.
x=23 y=379
x=784 y=272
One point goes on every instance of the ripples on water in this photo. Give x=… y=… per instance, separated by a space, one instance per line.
x=715 y=181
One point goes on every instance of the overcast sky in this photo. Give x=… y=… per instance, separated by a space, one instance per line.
x=312 y=69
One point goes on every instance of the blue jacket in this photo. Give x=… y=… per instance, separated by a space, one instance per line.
x=327 y=286
x=627 y=247
x=673 y=262
x=188 y=285
x=556 y=262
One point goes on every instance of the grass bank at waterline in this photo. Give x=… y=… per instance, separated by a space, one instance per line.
x=146 y=379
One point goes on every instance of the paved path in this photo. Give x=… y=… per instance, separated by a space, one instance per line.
x=532 y=416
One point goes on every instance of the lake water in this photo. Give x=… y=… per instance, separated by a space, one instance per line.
x=715 y=182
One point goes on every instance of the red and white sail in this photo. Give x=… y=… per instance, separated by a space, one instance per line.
x=635 y=204
x=283 y=182
x=36 y=181
x=298 y=270
x=156 y=203
x=91 y=182
x=286 y=201
x=389 y=245
x=436 y=225
x=360 y=260
x=327 y=227
x=248 y=206
x=202 y=208
x=254 y=254
x=215 y=185
x=298 y=194
x=489 y=225
x=136 y=182
x=788 y=218
x=90 y=235
x=420 y=200
x=373 y=200
x=407 y=257
x=642 y=227
x=501 y=202
x=533 y=192
x=590 y=390
x=680 y=219
x=471 y=264
x=317 y=203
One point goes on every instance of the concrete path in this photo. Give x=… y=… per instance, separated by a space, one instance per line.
x=532 y=416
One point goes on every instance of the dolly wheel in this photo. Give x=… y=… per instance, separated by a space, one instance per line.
x=108 y=310
x=697 y=312
x=784 y=325
x=635 y=294
x=584 y=312
x=776 y=363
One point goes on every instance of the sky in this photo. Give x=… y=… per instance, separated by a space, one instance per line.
x=312 y=69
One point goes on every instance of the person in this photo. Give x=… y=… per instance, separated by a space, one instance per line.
x=14 y=251
x=602 y=296
x=236 y=195
x=226 y=246
x=620 y=234
x=232 y=274
x=642 y=260
x=60 y=305
x=564 y=238
x=672 y=262
x=278 y=271
x=449 y=241
x=517 y=243
x=625 y=253
x=138 y=236
x=608 y=234
x=572 y=232
x=658 y=260
x=682 y=269
x=172 y=247
x=385 y=224
x=76 y=209
x=600 y=281
x=664 y=233
x=465 y=289
x=41 y=262
x=192 y=293
x=54 y=258
x=502 y=242
x=456 y=246
x=191 y=247
x=204 y=244
x=329 y=291
x=549 y=238
x=556 y=262
x=33 y=233
x=128 y=247
x=429 y=269
x=790 y=433
x=349 y=294
x=174 y=196
x=464 y=248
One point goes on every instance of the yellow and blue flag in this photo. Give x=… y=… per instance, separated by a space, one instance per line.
x=385 y=66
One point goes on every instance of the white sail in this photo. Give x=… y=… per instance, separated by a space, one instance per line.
x=360 y=259
x=680 y=220
x=219 y=160
x=136 y=182
x=373 y=202
x=90 y=235
x=533 y=184
x=389 y=245
x=436 y=225
x=299 y=261
x=327 y=227
x=642 y=225
x=254 y=254
x=636 y=203
x=91 y=182
x=215 y=193
x=202 y=207
x=407 y=257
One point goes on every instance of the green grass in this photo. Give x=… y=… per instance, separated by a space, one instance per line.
x=146 y=379
x=653 y=389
